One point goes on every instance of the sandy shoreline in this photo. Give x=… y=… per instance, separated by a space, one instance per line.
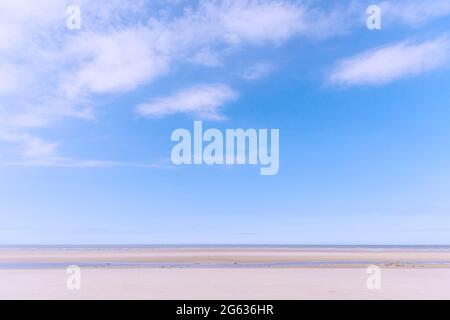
x=405 y=274
x=231 y=256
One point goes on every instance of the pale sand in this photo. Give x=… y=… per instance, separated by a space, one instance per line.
x=405 y=274
x=226 y=284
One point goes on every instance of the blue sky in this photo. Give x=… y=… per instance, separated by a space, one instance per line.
x=86 y=117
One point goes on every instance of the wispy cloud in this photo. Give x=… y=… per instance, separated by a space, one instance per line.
x=57 y=162
x=383 y=65
x=61 y=162
x=50 y=73
x=203 y=100
x=28 y=145
x=114 y=62
x=258 y=21
x=257 y=71
x=414 y=12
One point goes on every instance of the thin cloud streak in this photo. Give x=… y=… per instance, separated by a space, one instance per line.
x=73 y=163
x=204 y=101
x=384 y=65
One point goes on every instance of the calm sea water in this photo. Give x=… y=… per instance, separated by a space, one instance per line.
x=231 y=246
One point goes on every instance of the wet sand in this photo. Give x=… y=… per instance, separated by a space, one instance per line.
x=230 y=256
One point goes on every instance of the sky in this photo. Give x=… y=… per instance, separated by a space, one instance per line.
x=86 y=117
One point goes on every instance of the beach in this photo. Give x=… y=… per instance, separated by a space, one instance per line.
x=225 y=273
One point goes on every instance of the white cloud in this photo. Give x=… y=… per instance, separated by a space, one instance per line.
x=257 y=71
x=29 y=145
x=233 y=22
x=44 y=75
x=383 y=65
x=207 y=57
x=203 y=100
x=115 y=62
x=414 y=12
x=113 y=53
x=49 y=73
x=259 y=21
x=37 y=148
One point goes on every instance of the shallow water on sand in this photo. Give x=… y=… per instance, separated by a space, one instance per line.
x=159 y=265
